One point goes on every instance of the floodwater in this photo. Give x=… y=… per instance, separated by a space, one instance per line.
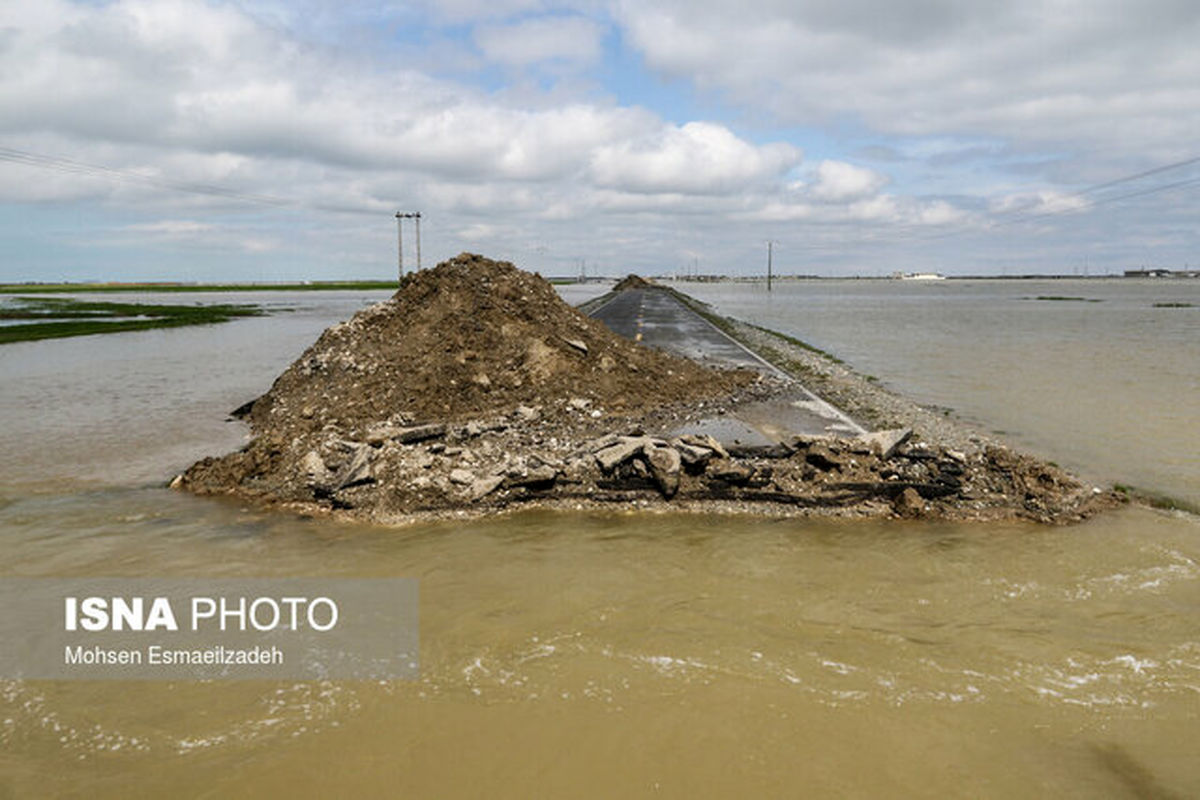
x=625 y=655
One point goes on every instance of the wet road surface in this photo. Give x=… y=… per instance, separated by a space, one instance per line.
x=655 y=318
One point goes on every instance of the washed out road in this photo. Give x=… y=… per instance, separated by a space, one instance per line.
x=656 y=318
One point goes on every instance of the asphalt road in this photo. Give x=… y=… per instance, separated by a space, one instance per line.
x=655 y=318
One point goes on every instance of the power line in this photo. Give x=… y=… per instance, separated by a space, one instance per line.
x=1016 y=216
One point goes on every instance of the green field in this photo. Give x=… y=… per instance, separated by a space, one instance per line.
x=310 y=286
x=58 y=317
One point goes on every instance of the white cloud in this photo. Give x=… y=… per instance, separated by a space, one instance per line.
x=182 y=76
x=195 y=93
x=541 y=39
x=172 y=227
x=1042 y=202
x=838 y=182
x=698 y=157
x=1114 y=73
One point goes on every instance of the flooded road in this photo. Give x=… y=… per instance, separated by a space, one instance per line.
x=599 y=655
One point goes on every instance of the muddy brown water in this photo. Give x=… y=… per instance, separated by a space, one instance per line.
x=618 y=654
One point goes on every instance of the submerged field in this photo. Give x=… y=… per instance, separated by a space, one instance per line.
x=305 y=286
x=627 y=654
x=33 y=318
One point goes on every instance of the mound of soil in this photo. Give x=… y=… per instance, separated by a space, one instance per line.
x=475 y=388
x=632 y=282
x=469 y=337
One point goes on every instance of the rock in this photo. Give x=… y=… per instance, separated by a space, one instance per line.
x=539 y=476
x=482 y=487
x=664 y=464
x=356 y=471
x=821 y=457
x=176 y=482
x=777 y=450
x=705 y=441
x=474 y=429
x=419 y=433
x=578 y=470
x=378 y=435
x=526 y=414
x=909 y=503
x=607 y=364
x=243 y=411
x=313 y=466
x=730 y=471
x=462 y=477
x=578 y=344
x=692 y=455
x=482 y=381
x=579 y=403
x=885 y=443
x=625 y=448
x=607 y=440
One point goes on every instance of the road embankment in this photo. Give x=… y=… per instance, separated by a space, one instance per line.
x=476 y=390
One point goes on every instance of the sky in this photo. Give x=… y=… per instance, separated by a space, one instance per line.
x=257 y=140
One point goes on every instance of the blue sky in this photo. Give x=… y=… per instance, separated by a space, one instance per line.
x=265 y=140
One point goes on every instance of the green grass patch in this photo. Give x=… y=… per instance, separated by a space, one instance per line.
x=1174 y=305
x=1058 y=298
x=306 y=286
x=1157 y=500
x=792 y=340
x=62 y=317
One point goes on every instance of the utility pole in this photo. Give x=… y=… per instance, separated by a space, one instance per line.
x=400 y=217
x=418 y=224
x=770 y=245
x=400 y=244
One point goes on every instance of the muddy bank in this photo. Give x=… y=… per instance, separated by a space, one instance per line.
x=475 y=389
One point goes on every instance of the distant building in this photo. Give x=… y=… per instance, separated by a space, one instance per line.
x=919 y=276
x=1162 y=273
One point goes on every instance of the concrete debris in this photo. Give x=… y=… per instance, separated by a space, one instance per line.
x=692 y=455
x=664 y=463
x=356 y=471
x=730 y=471
x=419 y=433
x=314 y=468
x=578 y=344
x=536 y=477
x=625 y=448
x=705 y=441
x=482 y=487
x=885 y=443
x=527 y=413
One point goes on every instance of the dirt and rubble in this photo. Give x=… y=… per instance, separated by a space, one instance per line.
x=476 y=389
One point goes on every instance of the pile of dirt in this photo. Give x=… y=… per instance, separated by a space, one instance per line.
x=476 y=389
x=632 y=282
x=469 y=337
